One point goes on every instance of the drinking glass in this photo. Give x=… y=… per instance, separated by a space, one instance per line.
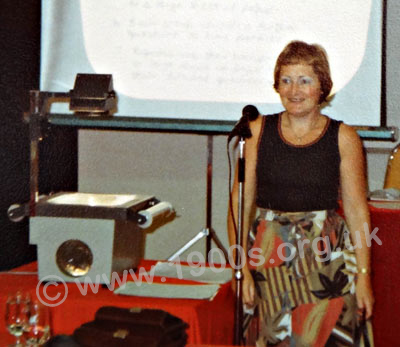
x=37 y=331
x=17 y=316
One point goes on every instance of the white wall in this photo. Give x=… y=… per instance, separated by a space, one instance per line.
x=173 y=166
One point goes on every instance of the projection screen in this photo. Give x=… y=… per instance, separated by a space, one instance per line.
x=207 y=59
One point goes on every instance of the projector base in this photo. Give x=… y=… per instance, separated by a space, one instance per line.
x=67 y=246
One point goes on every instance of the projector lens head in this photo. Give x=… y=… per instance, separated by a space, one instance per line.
x=74 y=258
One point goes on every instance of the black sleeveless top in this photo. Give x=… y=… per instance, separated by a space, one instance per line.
x=297 y=178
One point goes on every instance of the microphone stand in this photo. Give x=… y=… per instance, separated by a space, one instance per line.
x=240 y=253
x=241 y=129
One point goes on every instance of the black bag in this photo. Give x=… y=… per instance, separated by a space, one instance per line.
x=119 y=327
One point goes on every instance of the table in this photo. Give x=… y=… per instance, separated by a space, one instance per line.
x=210 y=322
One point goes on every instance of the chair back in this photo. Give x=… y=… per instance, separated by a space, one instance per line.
x=392 y=178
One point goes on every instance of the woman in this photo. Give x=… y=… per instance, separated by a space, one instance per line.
x=310 y=286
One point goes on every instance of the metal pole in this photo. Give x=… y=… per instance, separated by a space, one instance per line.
x=209 y=192
x=34 y=134
x=239 y=254
x=208 y=231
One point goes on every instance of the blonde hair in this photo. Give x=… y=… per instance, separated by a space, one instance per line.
x=298 y=52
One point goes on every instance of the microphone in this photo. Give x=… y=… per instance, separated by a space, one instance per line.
x=241 y=128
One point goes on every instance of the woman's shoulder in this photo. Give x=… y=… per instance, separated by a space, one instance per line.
x=269 y=120
x=346 y=131
x=349 y=141
x=257 y=127
x=333 y=122
x=338 y=127
x=271 y=117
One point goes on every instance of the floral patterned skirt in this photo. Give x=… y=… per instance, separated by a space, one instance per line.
x=304 y=269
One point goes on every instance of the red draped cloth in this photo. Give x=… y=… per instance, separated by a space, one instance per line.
x=386 y=275
x=210 y=322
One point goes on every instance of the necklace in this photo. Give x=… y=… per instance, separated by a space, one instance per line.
x=299 y=139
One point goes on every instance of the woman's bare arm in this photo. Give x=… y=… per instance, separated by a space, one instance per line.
x=354 y=197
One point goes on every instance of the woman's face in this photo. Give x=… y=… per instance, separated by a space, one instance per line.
x=299 y=89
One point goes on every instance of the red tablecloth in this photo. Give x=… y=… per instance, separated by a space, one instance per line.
x=386 y=274
x=210 y=322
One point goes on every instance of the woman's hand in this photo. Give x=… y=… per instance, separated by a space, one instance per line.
x=248 y=288
x=365 y=297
